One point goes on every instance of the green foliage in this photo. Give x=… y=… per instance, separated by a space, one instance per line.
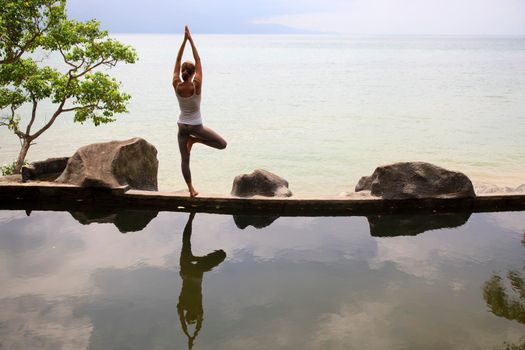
x=22 y=24
x=9 y=169
x=500 y=301
x=81 y=86
x=507 y=302
x=99 y=90
x=91 y=94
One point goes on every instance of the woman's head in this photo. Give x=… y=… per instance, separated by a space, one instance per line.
x=187 y=69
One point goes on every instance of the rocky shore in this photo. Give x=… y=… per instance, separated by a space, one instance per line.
x=133 y=164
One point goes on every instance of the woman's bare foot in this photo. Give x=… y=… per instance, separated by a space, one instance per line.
x=191 y=141
x=193 y=192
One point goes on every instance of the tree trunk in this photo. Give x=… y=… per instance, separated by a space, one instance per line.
x=22 y=156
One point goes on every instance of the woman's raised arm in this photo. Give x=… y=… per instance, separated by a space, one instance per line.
x=176 y=70
x=198 y=66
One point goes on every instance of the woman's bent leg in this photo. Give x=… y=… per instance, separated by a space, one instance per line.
x=207 y=136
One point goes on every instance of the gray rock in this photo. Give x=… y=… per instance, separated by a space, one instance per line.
x=364 y=184
x=48 y=169
x=262 y=183
x=357 y=195
x=486 y=188
x=130 y=163
x=417 y=180
x=520 y=188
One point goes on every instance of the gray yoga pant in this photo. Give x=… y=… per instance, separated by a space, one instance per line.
x=204 y=135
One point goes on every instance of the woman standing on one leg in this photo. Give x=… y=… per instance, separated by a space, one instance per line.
x=187 y=82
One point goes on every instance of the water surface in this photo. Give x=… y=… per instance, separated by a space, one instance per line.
x=147 y=280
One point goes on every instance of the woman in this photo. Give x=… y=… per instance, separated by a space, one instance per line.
x=187 y=82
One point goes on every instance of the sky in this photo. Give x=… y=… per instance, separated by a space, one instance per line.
x=368 y=17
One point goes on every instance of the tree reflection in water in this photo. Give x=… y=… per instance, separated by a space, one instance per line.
x=508 y=303
x=192 y=269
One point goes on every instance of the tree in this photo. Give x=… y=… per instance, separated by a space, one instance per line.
x=31 y=31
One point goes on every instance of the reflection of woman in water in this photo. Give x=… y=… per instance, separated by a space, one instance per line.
x=187 y=82
x=192 y=269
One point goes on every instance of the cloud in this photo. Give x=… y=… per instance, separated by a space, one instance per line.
x=495 y=17
x=45 y=324
x=464 y=17
x=359 y=326
x=203 y=16
x=431 y=255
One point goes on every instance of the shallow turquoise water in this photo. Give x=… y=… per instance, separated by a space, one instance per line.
x=403 y=282
x=322 y=111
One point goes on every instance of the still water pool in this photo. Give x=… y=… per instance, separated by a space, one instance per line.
x=148 y=280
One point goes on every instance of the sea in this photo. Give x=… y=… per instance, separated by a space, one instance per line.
x=319 y=110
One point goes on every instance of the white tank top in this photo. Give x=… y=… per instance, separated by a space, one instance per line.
x=190 y=108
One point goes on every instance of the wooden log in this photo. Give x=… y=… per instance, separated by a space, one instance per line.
x=50 y=196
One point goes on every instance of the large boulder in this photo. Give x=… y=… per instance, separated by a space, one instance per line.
x=130 y=163
x=416 y=180
x=48 y=169
x=262 y=183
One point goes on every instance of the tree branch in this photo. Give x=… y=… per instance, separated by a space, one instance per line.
x=33 y=114
x=61 y=108
x=89 y=69
x=13 y=125
x=58 y=111
x=22 y=48
x=65 y=59
x=50 y=122
x=12 y=59
x=80 y=107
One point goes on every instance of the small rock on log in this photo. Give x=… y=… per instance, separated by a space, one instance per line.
x=262 y=183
